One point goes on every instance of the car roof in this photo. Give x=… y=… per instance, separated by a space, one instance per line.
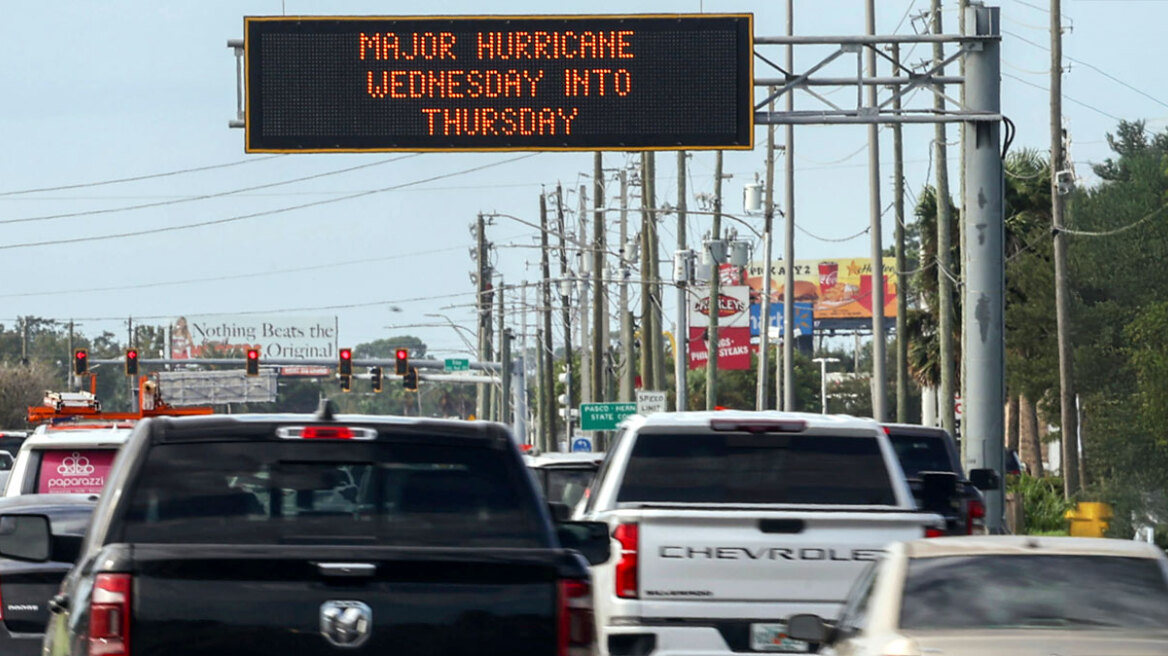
x=566 y=460
x=77 y=437
x=702 y=418
x=46 y=501
x=1028 y=545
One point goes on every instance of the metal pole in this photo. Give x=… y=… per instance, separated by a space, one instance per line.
x=500 y=398
x=681 y=354
x=505 y=397
x=582 y=285
x=547 y=385
x=599 y=297
x=628 y=363
x=646 y=275
x=945 y=327
x=764 y=307
x=901 y=278
x=712 y=304
x=879 y=391
x=789 y=246
x=69 y=357
x=983 y=304
x=483 y=321
x=655 y=284
x=541 y=402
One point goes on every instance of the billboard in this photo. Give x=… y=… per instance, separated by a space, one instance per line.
x=837 y=288
x=225 y=336
x=733 y=307
x=474 y=83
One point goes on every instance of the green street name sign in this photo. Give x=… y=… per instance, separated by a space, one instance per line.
x=604 y=416
x=457 y=364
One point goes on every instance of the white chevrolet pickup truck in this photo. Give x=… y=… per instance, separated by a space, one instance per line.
x=725 y=524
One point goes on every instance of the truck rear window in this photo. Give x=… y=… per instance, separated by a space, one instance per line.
x=795 y=469
x=919 y=453
x=325 y=492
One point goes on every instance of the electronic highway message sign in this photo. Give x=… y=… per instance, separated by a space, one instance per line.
x=499 y=83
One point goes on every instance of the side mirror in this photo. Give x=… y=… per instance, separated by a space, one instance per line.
x=25 y=537
x=985 y=479
x=589 y=538
x=560 y=511
x=938 y=491
x=808 y=628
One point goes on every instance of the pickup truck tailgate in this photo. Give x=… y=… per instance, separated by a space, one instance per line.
x=251 y=603
x=763 y=555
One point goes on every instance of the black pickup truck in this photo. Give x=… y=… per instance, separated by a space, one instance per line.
x=319 y=535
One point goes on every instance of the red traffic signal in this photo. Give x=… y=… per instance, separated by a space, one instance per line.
x=253 y=362
x=131 y=362
x=81 y=361
x=345 y=362
x=403 y=361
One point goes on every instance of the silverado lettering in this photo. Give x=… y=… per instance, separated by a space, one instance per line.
x=768 y=553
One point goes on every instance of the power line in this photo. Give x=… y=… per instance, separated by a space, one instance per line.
x=280 y=210
x=137 y=178
x=189 y=199
x=1108 y=233
x=1077 y=102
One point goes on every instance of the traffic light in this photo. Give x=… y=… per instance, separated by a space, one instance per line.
x=131 y=362
x=403 y=361
x=81 y=361
x=375 y=378
x=410 y=380
x=345 y=362
x=253 y=362
x=346 y=383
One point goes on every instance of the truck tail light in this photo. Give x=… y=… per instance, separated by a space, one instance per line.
x=932 y=532
x=975 y=516
x=574 y=625
x=626 y=565
x=109 y=616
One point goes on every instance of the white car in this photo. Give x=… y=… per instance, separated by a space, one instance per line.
x=66 y=459
x=1003 y=595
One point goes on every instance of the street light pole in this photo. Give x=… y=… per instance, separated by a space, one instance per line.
x=823 y=382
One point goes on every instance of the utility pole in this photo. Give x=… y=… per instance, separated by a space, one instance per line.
x=1069 y=418
x=565 y=306
x=483 y=307
x=505 y=371
x=628 y=355
x=764 y=310
x=582 y=285
x=500 y=398
x=654 y=264
x=901 y=297
x=879 y=386
x=648 y=254
x=547 y=346
x=983 y=294
x=681 y=356
x=944 y=245
x=715 y=282
x=789 y=246
x=599 y=298
x=70 y=356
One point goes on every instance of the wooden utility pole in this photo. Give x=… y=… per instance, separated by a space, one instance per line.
x=1070 y=419
x=646 y=268
x=944 y=247
x=712 y=301
x=565 y=306
x=547 y=351
x=628 y=354
x=901 y=297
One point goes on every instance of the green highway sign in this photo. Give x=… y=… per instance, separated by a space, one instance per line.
x=457 y=364
x=604 y=416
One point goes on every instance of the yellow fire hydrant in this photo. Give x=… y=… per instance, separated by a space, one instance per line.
x=1088 y=519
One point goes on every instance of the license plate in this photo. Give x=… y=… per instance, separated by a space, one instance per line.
x=773 y=637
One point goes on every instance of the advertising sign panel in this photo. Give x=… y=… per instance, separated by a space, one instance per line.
x=839 y=288
x=276 y=336
x=733 y=308
x=83 y=471
x=473 y=83
x=804 y=318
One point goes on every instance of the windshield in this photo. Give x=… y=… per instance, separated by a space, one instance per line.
x=325 y=492
x=918 y=453
x=1013 y=591
x=728 y=468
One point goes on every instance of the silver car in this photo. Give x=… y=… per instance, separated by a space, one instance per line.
x=1003 y=595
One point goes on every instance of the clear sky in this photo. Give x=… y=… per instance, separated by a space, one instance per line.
x=96 y=91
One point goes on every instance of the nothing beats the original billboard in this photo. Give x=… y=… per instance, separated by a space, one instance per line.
x=498 y=83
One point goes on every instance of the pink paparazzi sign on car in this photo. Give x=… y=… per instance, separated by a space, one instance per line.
x=74 y=472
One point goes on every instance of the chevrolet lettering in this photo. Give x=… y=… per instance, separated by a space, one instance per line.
x=769 y=553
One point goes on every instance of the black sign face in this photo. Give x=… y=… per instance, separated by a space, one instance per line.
x=499 y=83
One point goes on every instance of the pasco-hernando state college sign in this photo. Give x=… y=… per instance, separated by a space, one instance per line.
x=498 y=83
